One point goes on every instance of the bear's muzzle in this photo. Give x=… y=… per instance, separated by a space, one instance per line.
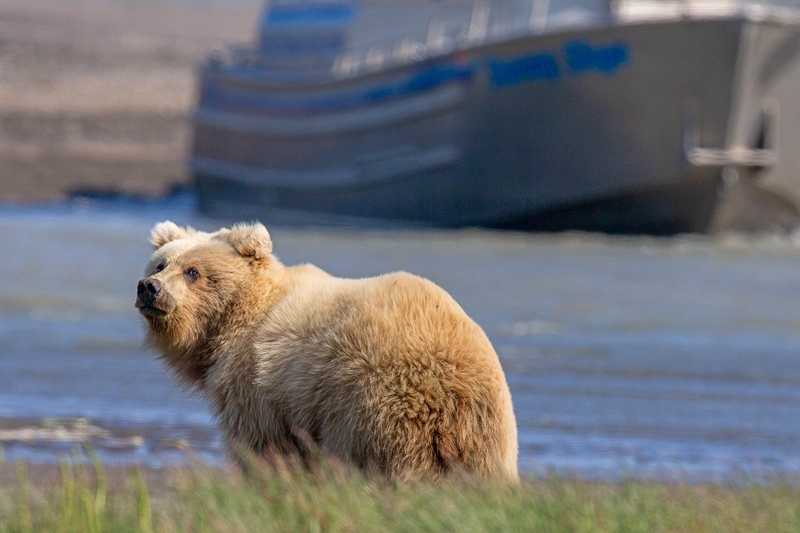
x=148 y=292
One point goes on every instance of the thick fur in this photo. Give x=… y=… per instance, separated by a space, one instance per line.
x=386 y=372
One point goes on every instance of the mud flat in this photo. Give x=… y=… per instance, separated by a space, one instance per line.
x=95 y=94
x=52 y=440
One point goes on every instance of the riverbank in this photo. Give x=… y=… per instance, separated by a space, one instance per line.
x=624 y=355
x=95 y=94
x=334 y=498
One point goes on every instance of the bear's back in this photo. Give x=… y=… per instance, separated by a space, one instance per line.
x=389 y=372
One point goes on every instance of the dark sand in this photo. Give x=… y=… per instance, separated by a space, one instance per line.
x=95 y=94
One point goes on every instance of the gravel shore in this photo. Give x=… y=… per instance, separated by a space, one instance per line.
x=95 y=94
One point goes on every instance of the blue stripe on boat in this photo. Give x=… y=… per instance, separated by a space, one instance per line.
x=297 y=15
x=214 y=94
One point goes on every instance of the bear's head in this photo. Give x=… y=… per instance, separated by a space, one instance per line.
x=198 y=286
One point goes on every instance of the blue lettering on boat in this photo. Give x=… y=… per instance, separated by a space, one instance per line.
x=578 y=57
x=541 y=66
x=583 y=57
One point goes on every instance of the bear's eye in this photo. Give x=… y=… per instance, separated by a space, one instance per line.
x=160 y=267
x=192 y=274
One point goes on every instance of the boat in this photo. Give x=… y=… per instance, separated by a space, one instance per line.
x=628 y=116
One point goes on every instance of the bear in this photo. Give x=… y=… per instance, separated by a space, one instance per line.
x=387 y=373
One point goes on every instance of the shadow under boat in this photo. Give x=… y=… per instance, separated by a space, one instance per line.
x=654 y=117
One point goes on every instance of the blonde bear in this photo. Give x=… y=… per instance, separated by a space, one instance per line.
x=387 y=373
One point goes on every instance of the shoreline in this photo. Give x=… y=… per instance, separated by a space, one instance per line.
x=154 y=445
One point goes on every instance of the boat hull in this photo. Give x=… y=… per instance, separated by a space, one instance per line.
x=583 y=129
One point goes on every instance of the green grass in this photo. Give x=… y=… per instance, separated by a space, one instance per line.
x=333 y=498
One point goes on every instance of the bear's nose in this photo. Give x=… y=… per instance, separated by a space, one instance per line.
x=148 y=290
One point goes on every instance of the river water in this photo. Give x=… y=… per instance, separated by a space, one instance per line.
x=666 y=358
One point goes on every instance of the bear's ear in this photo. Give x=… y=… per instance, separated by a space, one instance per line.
x=167 y=231
x=250 y=240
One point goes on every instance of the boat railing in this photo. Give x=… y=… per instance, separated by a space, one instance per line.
x=481 y=22
x=633 y=10
x=445 y=32
x=244 y=56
